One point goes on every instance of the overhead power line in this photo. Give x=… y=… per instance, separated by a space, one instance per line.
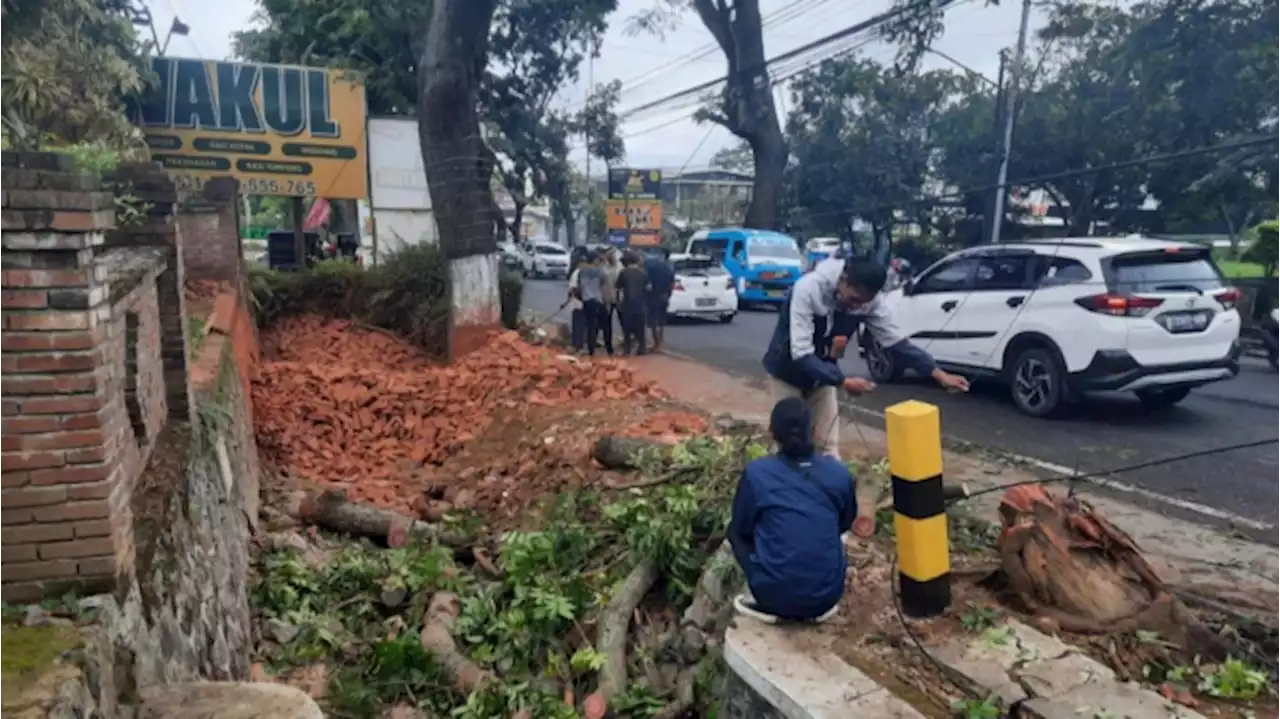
x=870 y=23
x=1037 y=179
x=778 y=18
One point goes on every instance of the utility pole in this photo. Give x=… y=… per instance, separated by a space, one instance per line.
x=989 y=207
x=1010 y=102
x=586 y=142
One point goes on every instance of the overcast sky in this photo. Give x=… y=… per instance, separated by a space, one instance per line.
x=651 y=67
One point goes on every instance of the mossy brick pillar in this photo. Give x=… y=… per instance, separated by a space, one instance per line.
x=65 y=503
x=152 y=221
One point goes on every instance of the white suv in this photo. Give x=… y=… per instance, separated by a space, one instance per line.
x=1055 y=319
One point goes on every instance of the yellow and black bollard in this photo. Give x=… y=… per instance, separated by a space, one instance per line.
x=919 y=514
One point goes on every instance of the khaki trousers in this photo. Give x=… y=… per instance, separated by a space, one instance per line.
x=823 y=405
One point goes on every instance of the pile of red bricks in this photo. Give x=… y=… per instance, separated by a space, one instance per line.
x=84 y=381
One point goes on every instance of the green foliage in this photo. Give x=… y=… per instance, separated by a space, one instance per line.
x=1265 y=247
x=860 y=135
x=407 y=293
x=1234 y=679
x=69 y=66
x=544 y=594
x=987 y=708
x=979 y=618
x=362 y=608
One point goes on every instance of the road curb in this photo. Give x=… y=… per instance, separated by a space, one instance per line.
x=799 y=684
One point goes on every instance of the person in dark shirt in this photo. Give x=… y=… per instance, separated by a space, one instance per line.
x=788 y=514
x=633 y=293
x=662 y=280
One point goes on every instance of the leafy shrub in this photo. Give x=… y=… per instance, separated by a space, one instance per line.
x=407 y=294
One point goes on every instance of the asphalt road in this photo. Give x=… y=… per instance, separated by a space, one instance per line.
x=1105 y=433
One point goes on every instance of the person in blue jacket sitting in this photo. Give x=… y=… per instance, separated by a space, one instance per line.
x=822 y=311
x=788 y=514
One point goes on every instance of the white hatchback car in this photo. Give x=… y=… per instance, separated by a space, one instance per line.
x=1056 y=319
x=703 y=288
x=548 y=260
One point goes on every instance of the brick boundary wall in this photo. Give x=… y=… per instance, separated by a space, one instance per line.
x=87 y=382
x=211 y=232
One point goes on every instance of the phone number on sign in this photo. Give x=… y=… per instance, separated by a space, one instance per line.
x=195 y=183
x=279 y=187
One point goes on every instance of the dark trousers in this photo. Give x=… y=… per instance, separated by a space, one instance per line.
x=632 y=319
x=578 y=329
x=598 y=320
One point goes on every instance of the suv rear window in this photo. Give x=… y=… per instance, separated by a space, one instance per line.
x=706 y=267
x=1164 y=272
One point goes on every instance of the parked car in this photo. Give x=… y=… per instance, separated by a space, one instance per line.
x=1057 y=319
x=548 y=260
x=763 y=264
x=703 y=288
x=819 y=249
x=511 y=256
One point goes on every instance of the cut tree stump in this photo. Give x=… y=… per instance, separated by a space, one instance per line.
x=1071 y=568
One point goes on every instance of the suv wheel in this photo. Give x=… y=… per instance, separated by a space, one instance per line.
x=1036 y=382
x=1161 y=398
x=880 y=364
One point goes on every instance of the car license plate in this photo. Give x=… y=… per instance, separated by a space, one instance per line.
x=773 y=293
x=705 y=302
x=1184 y=321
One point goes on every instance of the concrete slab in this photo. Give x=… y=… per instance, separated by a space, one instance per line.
x=801 y=683
x=1055 y=677
x=1106 y=701
x=989 y=660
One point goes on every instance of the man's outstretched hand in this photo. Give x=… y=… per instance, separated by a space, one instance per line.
x=951 y=382
x=857 y=385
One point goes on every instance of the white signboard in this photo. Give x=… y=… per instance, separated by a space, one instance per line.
x=396 y=177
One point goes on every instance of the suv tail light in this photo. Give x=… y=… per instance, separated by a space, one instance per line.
x=729 y=284
x=677 y=286
x=1119 y=305
x=1228 y=297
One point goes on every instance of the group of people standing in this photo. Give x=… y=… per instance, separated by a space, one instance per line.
x=632 y=287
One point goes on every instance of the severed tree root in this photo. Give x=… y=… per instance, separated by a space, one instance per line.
x=437 y=638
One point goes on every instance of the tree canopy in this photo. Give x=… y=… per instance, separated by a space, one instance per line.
x=69 y=66
x=535 y=50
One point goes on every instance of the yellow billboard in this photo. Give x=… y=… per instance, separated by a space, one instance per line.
x=643 y=214
x=279 y=129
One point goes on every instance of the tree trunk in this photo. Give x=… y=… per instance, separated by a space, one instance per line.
x=458 y=164
x=747 y=104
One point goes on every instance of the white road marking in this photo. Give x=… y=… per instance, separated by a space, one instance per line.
x=1116 y=485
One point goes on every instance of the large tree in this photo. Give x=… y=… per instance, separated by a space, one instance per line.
x=533 y=50
x=745 y=106
x=861 y=136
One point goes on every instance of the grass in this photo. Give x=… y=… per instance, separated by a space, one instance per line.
x=1239 y=269
x=28 y=651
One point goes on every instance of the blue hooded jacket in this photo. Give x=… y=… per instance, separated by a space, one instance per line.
x=788 y=516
